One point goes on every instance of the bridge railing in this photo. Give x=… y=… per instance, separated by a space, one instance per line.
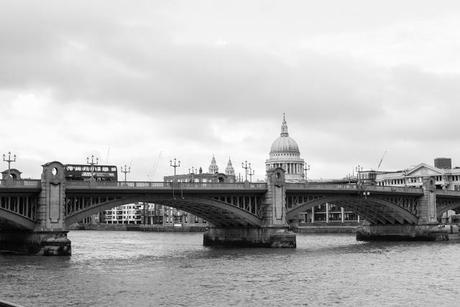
x=167 y=185
x=32 y=183
x=351 y=187
x=453 y=193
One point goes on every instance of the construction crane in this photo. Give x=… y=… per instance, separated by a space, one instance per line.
x=381 y=159
x=155 y=164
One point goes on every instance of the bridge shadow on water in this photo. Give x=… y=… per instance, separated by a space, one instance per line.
x=340 y=244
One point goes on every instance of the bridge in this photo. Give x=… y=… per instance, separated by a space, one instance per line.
x=35 y=214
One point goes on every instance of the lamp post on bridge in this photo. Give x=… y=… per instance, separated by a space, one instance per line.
x=349 y=177
x=126 y=170
x=92 y=163
x=306 y=169
x=175 y=165
x=9 y=161
x=359 y=169
x=251 y=173
x=246 y=166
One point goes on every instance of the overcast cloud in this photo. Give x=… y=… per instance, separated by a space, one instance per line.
x=141 y=83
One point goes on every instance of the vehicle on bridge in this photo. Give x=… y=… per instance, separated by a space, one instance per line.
x=84 y=172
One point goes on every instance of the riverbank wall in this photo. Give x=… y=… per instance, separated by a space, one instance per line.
x=161 y=228
x=324 y=229
x=134 y=227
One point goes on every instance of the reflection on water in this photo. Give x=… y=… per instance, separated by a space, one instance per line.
x=151 y=269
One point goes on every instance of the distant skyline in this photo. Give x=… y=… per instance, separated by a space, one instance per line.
x=143 y=84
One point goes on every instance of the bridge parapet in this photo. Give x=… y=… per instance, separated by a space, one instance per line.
x=29 y=183
x=351 y=187
x=166 y=185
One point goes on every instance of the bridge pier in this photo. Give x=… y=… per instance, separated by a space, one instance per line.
x=50 y=234
x=46 y=243
x=401 y=233
x=274 y=237
x=273 y=233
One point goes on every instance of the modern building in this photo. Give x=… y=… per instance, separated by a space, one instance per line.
x=150 y=214
x=125 y=214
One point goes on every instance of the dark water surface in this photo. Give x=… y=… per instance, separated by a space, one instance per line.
x=152 y=269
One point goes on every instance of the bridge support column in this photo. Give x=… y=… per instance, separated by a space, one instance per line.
x=50 y=234
x=426 y=229
x=401 y=233
x=275 y=237
x=47 y=243
x=273 y=233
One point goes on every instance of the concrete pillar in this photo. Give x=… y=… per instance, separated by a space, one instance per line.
x=273 y=233
x=49 y=237
x=327 y=213
x=275 y=199
x=427 y=204
x=342 y=214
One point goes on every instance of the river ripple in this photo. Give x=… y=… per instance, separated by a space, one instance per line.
x=161 y=269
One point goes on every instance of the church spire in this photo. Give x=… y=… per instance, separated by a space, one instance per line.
x=284 y=127
x=213 y=168
x=229 y=169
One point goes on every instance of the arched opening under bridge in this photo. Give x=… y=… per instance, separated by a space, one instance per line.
x=218 y=213
x=375 y=211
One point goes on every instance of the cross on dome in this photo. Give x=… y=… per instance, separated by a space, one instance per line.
x=284 y=127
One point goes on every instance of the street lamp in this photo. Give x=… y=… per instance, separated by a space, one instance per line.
x=92 y=162
x=126 y=170
x=306 y=169
x=251 y=173
x=358 y=169
x=246 y=166
x=9 y=160
x=175 y=165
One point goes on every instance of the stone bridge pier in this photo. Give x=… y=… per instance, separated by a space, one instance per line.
x=426 y=229
x=49 y=236
x=274 y=231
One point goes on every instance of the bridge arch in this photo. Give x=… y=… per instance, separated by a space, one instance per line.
x=218 y=213
x=15 y=220
x=374 y=210
x=445 y=206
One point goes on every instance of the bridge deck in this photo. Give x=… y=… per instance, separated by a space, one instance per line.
x=18 y=186
x=32 y=185
x=344 y=188
x=137 y=186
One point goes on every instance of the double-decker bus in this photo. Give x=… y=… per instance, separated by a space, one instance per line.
x=84 y=172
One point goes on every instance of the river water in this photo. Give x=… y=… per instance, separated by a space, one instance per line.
x=174 y=269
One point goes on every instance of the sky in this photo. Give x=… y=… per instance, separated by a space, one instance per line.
x=140 y=83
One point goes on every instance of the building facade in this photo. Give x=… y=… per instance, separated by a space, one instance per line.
x=150 y=214
x=213 y=174
x=444 y=176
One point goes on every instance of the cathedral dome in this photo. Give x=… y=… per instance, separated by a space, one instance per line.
x=285 y=144
x=285 y=154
